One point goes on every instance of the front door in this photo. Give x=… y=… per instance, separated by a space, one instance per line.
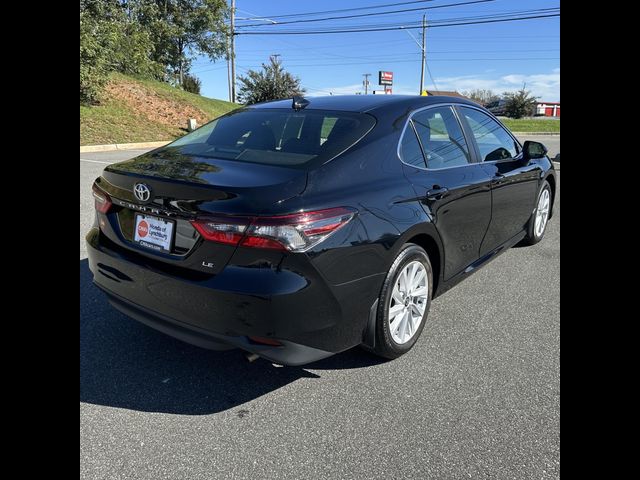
x=453 y=189
x=514 y=181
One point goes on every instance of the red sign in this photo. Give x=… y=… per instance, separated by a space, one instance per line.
x=385 y=78
x=143 y=229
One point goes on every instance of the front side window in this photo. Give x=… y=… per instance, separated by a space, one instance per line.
x=441 y=138
x=493 y=140
x=276 y=136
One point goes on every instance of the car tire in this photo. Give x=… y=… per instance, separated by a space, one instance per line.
x=535 y=233
x=390 y=342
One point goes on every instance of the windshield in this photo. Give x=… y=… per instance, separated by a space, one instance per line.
x=276 y=136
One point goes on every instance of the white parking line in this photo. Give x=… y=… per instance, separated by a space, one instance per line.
x=94 y=161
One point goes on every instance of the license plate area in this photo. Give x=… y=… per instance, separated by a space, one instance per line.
x=154 y=233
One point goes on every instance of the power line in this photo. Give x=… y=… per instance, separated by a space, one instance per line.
x=319 y=32
x=307 y=87
x=432 y=23
x=392 y=62
x=370 y=14
x=329 y=56
x=430 y=60
x=470 y=38
x=431 y=76
x=509 y=13
x=306 y=14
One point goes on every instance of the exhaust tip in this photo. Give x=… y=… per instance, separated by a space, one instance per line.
x=251 y=357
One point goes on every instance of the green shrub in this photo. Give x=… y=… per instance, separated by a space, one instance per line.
x=519 y=104
x=191 y=84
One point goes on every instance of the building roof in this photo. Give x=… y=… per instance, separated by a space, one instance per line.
x=446 y=93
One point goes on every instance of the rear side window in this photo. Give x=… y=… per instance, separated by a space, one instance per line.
x=493 y=140
x=276 y=136
x=441 y=138
x=410 y=151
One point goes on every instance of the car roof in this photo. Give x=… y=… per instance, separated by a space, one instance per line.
x=365 y=103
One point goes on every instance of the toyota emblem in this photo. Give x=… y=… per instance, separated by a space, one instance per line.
x=142 y=192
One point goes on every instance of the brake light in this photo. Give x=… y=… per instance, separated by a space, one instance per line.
x=297 y=232
x=222 y=230
x=102 y=200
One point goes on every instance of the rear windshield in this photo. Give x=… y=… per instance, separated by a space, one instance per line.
x=276 y=136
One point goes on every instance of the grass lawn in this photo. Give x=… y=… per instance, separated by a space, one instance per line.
x=532 y=125
x=137 y=110
x=115 y=122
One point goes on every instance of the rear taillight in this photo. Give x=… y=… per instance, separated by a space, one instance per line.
x=102 y=200
x=297 y=232
x=222 y=230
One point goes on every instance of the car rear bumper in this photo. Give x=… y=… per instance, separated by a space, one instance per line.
x=295 y=306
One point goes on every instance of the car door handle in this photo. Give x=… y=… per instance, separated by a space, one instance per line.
x=436 y=193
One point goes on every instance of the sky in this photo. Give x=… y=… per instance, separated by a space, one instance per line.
x=497 y=56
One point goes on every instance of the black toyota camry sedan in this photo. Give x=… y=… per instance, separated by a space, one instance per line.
x=300 y=228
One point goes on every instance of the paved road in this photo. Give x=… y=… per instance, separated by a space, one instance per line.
x=477 y=397
x=552 y=142
x=91 y=166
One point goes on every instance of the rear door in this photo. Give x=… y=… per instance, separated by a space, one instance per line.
x=452 y=188
x=514 y=181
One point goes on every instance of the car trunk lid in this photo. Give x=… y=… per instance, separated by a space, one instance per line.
x=183 y=188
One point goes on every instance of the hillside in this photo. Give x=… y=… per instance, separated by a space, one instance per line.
x=135 y=110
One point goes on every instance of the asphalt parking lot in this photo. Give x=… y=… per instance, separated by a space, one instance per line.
x=552 y=142
x=477 y=397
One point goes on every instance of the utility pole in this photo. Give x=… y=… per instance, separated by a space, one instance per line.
x=233 y=52
x=424 y=51
x=229 y=67
x=366 y=82
x=274 y=58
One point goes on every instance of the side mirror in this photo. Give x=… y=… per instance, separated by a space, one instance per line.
x=532 y=150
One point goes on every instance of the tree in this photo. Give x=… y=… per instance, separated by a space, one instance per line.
x=111 y=40
x=150 y=38
x=93 y=61
x=191 y=84
x=183 y=29
x=481 y=96
x=519 y=104
x=272 y=83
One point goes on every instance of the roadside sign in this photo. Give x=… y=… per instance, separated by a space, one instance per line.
x=385 y=78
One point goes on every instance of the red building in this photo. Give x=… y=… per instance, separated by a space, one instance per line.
x=548 y=109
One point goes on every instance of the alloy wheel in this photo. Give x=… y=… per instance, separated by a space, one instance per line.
x=408 y=302
x=542 y=212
